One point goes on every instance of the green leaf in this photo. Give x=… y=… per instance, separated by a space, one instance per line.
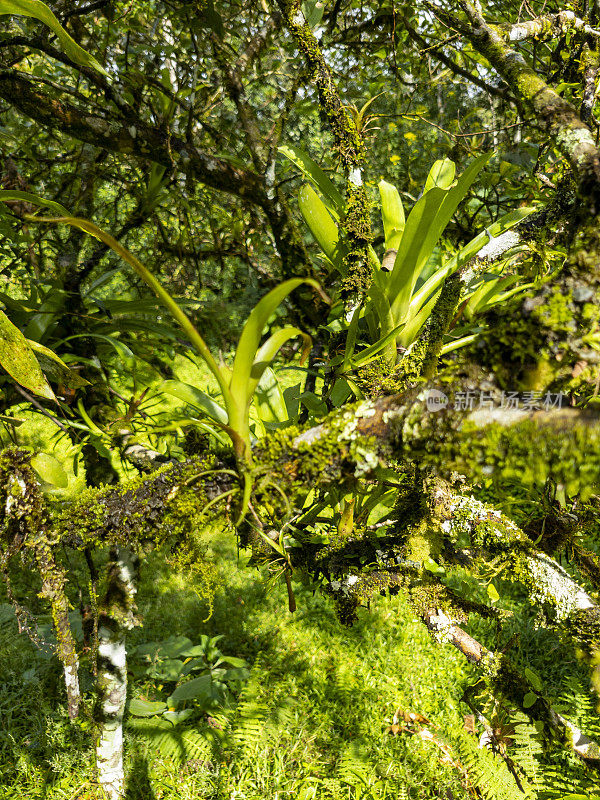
x=178 y=716
x=236 y=674
x=55 y=368
x=424 y=226
x=392 y=214
x=50 y=470
x=466 y=253
x=351 y=339
x=311 y=170
x=40 y=11
x=369 y=353
x=269 y=399
x=529 y=700
x=200 y=689
x=320 y=224
x=233 y=661
x=173 y=647
x=269 y=350
x=313 y=12
x=432 y=566
x=441 y=174
x=28 y=197
x=533 y=679
x=493 y=593
x=168 y=670
x=146 y=708
x=246 y=352
x=18 y=360
x=196 y=398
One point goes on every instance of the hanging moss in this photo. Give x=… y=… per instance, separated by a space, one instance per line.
x=27 y=526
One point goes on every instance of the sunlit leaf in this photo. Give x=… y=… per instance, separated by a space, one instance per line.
x=17 y=358
x=50 y=470
x=40 y=11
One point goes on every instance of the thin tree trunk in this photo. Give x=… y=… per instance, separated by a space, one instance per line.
x=117 y=617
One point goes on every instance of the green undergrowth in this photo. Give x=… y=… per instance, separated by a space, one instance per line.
x=309 y=723
x=312 y=720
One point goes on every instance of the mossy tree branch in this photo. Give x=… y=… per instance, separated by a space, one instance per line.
x=349 y=146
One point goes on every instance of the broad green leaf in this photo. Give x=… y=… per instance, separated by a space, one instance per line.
x=178 y=716
x=236 y=674
x=493 y=593
x=200 y=689
x=50 y=470
x=340 y=393
x=320 y=224
x=467 y=252
x=441 y=174
x=173 y=647
x=40 y=11
x=46 y=315
x=55 y=368
x=313 y=12
x=529 y=700
x=269 y=400
x=269 y=350
x=534 y=679
x=392 y=214
x=28 y=197
x=167 y=670
x=248 y=345
x=233 y=661
x=146 y=708
x=197 y=398
x=18 y=359
x=311 y=170
x=434 y=211
x=408 y=263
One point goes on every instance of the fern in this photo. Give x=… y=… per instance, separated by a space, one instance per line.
x=249 y=725
x=353 y=768
x=490 y=774
x=179 y=743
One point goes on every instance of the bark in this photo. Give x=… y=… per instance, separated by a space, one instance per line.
x=117 y=617
x=508 y=684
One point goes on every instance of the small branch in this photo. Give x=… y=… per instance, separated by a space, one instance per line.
x=544 y=28
x=39 y=406
x=506 y=681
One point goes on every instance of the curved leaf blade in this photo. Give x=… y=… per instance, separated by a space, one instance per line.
x=252 y=332
x=311 y=170
x=320 y=223
x=197 y=398
x=18 y=359
x=28 y=197
x=392 y=214
x=40 y=11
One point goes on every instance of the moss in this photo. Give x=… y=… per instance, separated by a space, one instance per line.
x=538 y=341
x=27 y=526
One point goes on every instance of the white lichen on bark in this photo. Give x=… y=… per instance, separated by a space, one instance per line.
x=112 y=677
